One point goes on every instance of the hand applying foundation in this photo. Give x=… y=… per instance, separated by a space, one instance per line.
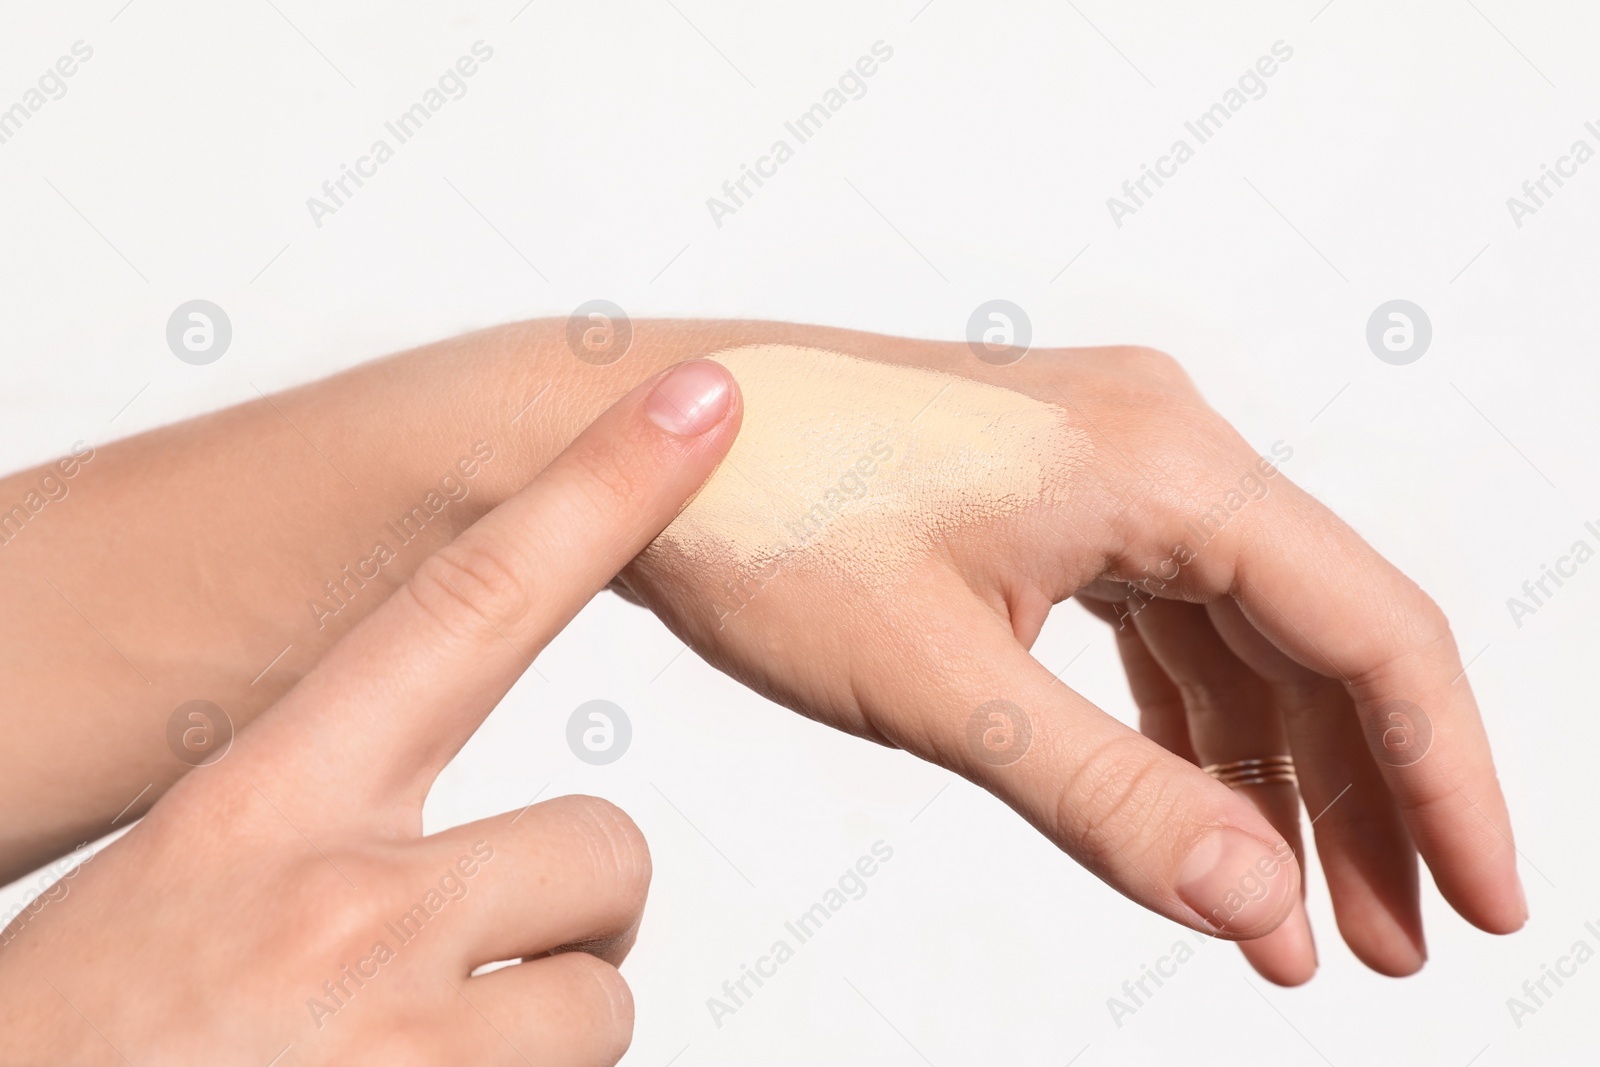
x=281 y=905
x=878 y=552
x=881 y=548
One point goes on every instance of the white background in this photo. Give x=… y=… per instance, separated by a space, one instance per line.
x=977 y=165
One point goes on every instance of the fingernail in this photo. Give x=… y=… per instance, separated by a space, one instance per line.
x=691 y=399
x=1238 y=884
x=1522 y=898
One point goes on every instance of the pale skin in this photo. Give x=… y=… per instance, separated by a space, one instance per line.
x=1285 y=633
x=240 y=921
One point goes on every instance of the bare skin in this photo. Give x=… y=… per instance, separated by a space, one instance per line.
x=281 y=905
x=1284 y=632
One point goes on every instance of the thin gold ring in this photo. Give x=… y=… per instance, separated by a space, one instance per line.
x=1268 y=770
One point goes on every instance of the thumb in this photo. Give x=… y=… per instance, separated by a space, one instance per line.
x=391 y=703
x=1152 y=825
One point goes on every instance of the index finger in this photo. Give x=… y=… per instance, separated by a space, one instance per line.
x=1325 y=598
x=393 y=701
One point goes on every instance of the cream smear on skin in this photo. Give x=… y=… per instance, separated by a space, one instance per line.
x=861 y=466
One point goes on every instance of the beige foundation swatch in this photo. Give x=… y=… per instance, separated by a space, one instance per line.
x=859 y=466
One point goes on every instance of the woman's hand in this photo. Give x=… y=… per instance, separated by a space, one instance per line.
x=1252 y=622
x=1302 y=624
x=282 y=906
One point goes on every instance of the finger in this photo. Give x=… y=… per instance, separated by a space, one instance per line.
x=1323 y=596
x=1162 y=717
x=1231 y=717
x=571 y=1010
x=570 y=872
x=1366 y=853
x=391 y=703
x=1151 y=824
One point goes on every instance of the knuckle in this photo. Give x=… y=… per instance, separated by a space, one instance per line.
x=1215 y=701
x=1117 y=802
x=1156 y=711
x=1411 y=628
x=1209 y=694
x=1155 y=366
x=327 y=912
x=308 y=903
x=1182 y=441
x=1432 y=626
x=1195 y=441
x=472 y=589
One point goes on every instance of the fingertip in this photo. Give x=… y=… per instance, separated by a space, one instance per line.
x=1287 y=956
x=1502 y=925
x=1385 y=934
x=1402 y=962
x=1522 y=905
x=1501 y=909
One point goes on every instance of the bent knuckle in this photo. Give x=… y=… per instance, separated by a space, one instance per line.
x=1431 y=627
x=1410 y=629
x=1155 y=366
x=473 y=589
x=327 y=913
x=1204 y=695
x=1183 y=445
x=1118 y=802
x=1215 y=702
